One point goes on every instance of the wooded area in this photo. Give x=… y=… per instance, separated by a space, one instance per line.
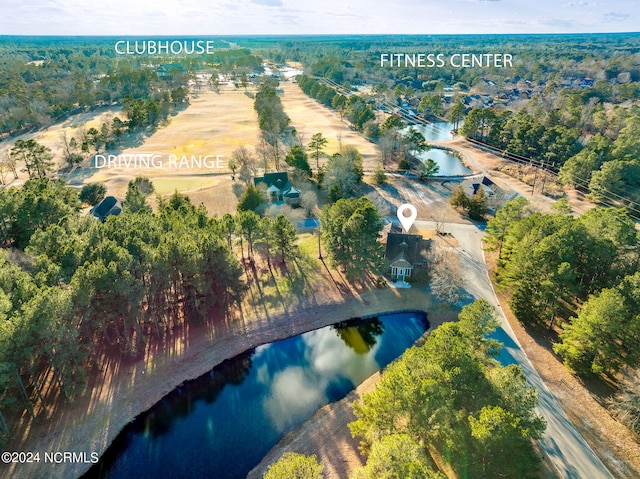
x=581 y=272
x=569 y=105
x=74 y=289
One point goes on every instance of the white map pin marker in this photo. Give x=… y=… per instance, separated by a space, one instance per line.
x=407 y=221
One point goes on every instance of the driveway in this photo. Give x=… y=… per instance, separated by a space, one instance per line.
x=565 y=446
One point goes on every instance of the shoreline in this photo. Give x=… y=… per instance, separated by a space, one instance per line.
x=338 y=453
x=134 y=392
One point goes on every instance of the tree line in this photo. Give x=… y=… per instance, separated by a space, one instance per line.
x=590 y=145
x=353 y=107
x=43 y=81
x=395 y=144
x=32 y=97
x=607 y=163
x=272 y=119
x=577 y=273
x=539 y=58
x=566 y=118
x=523 y=134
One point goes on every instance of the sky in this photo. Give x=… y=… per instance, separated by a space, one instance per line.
x=243 y=17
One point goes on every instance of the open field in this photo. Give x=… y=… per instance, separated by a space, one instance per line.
x=310 y=117
x=213 y=124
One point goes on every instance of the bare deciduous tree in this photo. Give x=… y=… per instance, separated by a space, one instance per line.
x=263 y=151
x=626 y=404
x=309 y=202
x=245 y=162
x=445 y=277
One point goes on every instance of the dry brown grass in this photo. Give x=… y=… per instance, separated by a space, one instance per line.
x=310 y=117
x=213 y=124
x=431 y=199
x=543 y=182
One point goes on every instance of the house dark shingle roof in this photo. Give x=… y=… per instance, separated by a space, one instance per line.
x=406 y=250
x=279 y=186
x=108 y=206
x=390 y=227
x=279 y=180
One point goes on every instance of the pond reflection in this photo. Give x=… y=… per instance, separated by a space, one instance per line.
x=222 y=424
x=360 y=335
x=159 y=420
x=438 y=131
x=448 y=163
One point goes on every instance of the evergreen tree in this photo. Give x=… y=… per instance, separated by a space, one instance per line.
x=450 y=395
x=295 y=466
x=351 y=229
x=316 y=145
x=37 y=158
x=297 y=158
x=284 y=237
x=135 y=200
x=456 y=113
x=251 y=199
x=93 y=193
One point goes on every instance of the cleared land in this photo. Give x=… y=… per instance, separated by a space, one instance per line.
x=213 y=124
x=310 y=117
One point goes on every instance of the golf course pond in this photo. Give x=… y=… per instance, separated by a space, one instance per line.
x=222 y=424
x=449 y=165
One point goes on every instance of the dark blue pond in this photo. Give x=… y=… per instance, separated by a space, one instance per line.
x=222 y=424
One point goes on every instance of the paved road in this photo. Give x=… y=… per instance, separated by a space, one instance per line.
x=567 y=449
